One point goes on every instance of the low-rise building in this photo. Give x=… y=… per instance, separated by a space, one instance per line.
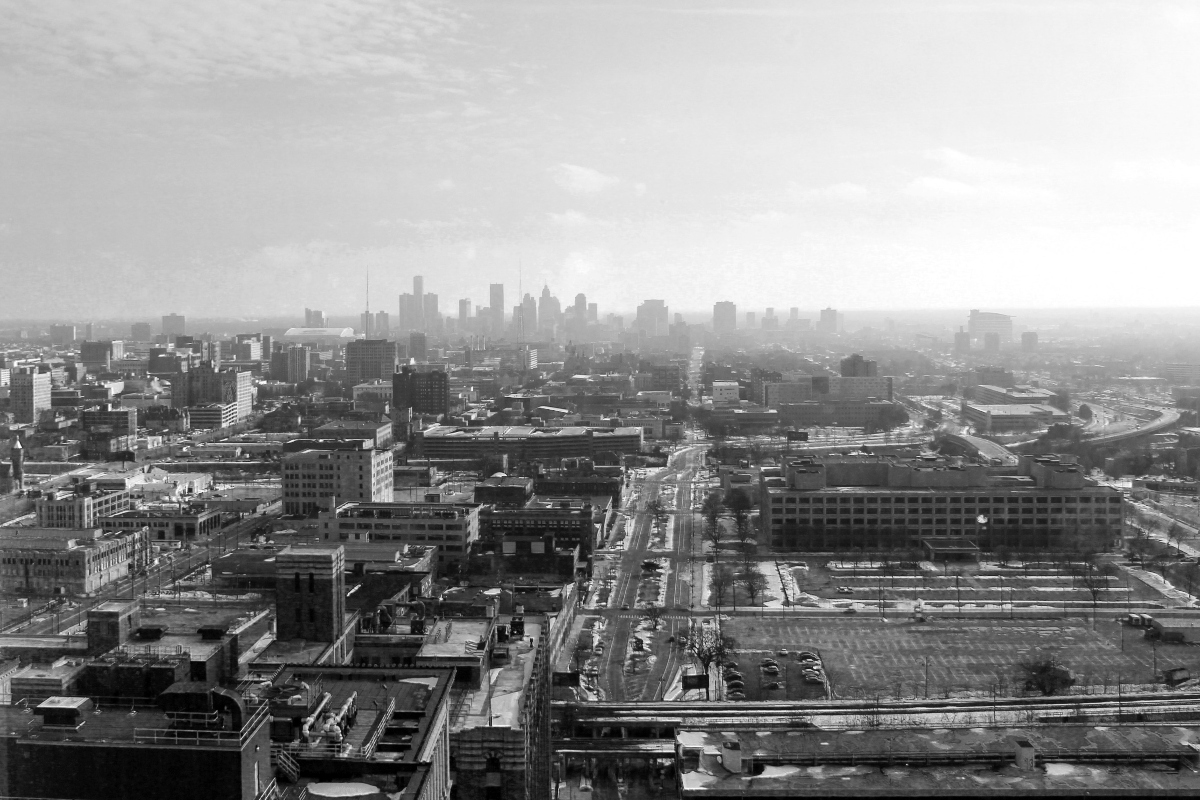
x=79 y=508
x=58 y=561
x=450 y=527
x=524 y=443
x=170 y=522
x=839 y=502
x=330 y=472
x=1012 y=417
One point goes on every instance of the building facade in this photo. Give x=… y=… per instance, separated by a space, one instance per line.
x=335 y=472
x=889 y=503
x=450 y=527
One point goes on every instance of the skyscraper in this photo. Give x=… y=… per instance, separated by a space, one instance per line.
x=724 y=317
x=496 y=308
x=370 y=360
x=314 y=318
x=173 y=325
x=653 y=317
x=981 y=323
x=464 y=312
x=830 y=321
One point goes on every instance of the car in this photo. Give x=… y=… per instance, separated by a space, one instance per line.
x=773 y=685
x=735 y=686
x=813 y=679
x=782 y=653
x=803 y=654
x=625 y=606
x=845 y=590
x=770 y=670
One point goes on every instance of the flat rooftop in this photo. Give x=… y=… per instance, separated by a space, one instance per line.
x=1074 y=759
x=498 y=702
x=523 y=432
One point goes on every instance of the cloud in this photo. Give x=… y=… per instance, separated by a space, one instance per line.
x=845 y=192
x=582 y=180
x=1157 y=171
x=932 y=187
x=173 y=42
x=573 y=219
x=962 y=165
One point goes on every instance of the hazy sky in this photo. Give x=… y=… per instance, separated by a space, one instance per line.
x=254 y=156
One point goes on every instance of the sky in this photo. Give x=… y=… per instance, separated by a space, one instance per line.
x=255 y=157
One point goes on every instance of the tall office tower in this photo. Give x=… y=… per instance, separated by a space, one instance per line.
x=770 y=322
x=962 y=341
x=141 y=332
x=991 y=342
x=724 y=317
x=981 y=323
x=366 y=324
x=1029 y=341
x=423 y=392
x=830 y=321
x=314 y=318
x=549 y=312
x=496 y=309
x=88 y=330
x=310 y=592
x=464 y=312
x=268 y=344
x=99 y=356
x=431 y=316
x=581 y=306
x=173 y=325
x=382 y=323
x=419 y=291
x=794 y=314
x=593 y=312
x=418 y=348
x=297 y=364
x=529 y=316
x=30 y=393
x=652 y=317
x=750 y=317
x=62 y=334
x=855 y=366
x=370 y=360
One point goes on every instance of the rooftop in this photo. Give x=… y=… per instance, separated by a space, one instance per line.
x=498 y=702
x=522 y=432
x=1074 y=759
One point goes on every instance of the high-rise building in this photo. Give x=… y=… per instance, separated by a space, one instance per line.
x=431 y=314
x=1029 y=341
x=418 y=346
x=962 y=341
x=769 y=321
x=423 y=392
x=527 y=318
x=750 y=319
x=464 y=312
x=366 y=324
x=314 y=318
x=30 y=394
x=549 y=313
x=581 y=306
x=724 y=317
x=207 y=384
x=991 y=342
x=141 y=332
x=830 y=321
x=981 y=323
x=593 y=312
x=496 y=309
x=382 y=323
x=653 y=317
x=297 y=364
x=173 y=325
x=99 y=356
x=855 y=366
x=63 y=334
x=370 y=360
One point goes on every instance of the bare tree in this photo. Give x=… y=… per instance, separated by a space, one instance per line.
x=739 y=503
x=657 y=513
x=754 y=582
x=722 y=582
x=708 y=645
x=1095 y=581
x=712 y=508
x=654 y=613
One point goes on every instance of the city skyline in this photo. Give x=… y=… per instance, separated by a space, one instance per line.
x=876 y=155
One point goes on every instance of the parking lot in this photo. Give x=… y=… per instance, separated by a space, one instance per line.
x=944 y=657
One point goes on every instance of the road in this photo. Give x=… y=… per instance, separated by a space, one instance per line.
x=680 y=590
x=171 y=567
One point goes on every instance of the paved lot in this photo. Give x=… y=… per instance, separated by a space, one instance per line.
x=869 y=657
